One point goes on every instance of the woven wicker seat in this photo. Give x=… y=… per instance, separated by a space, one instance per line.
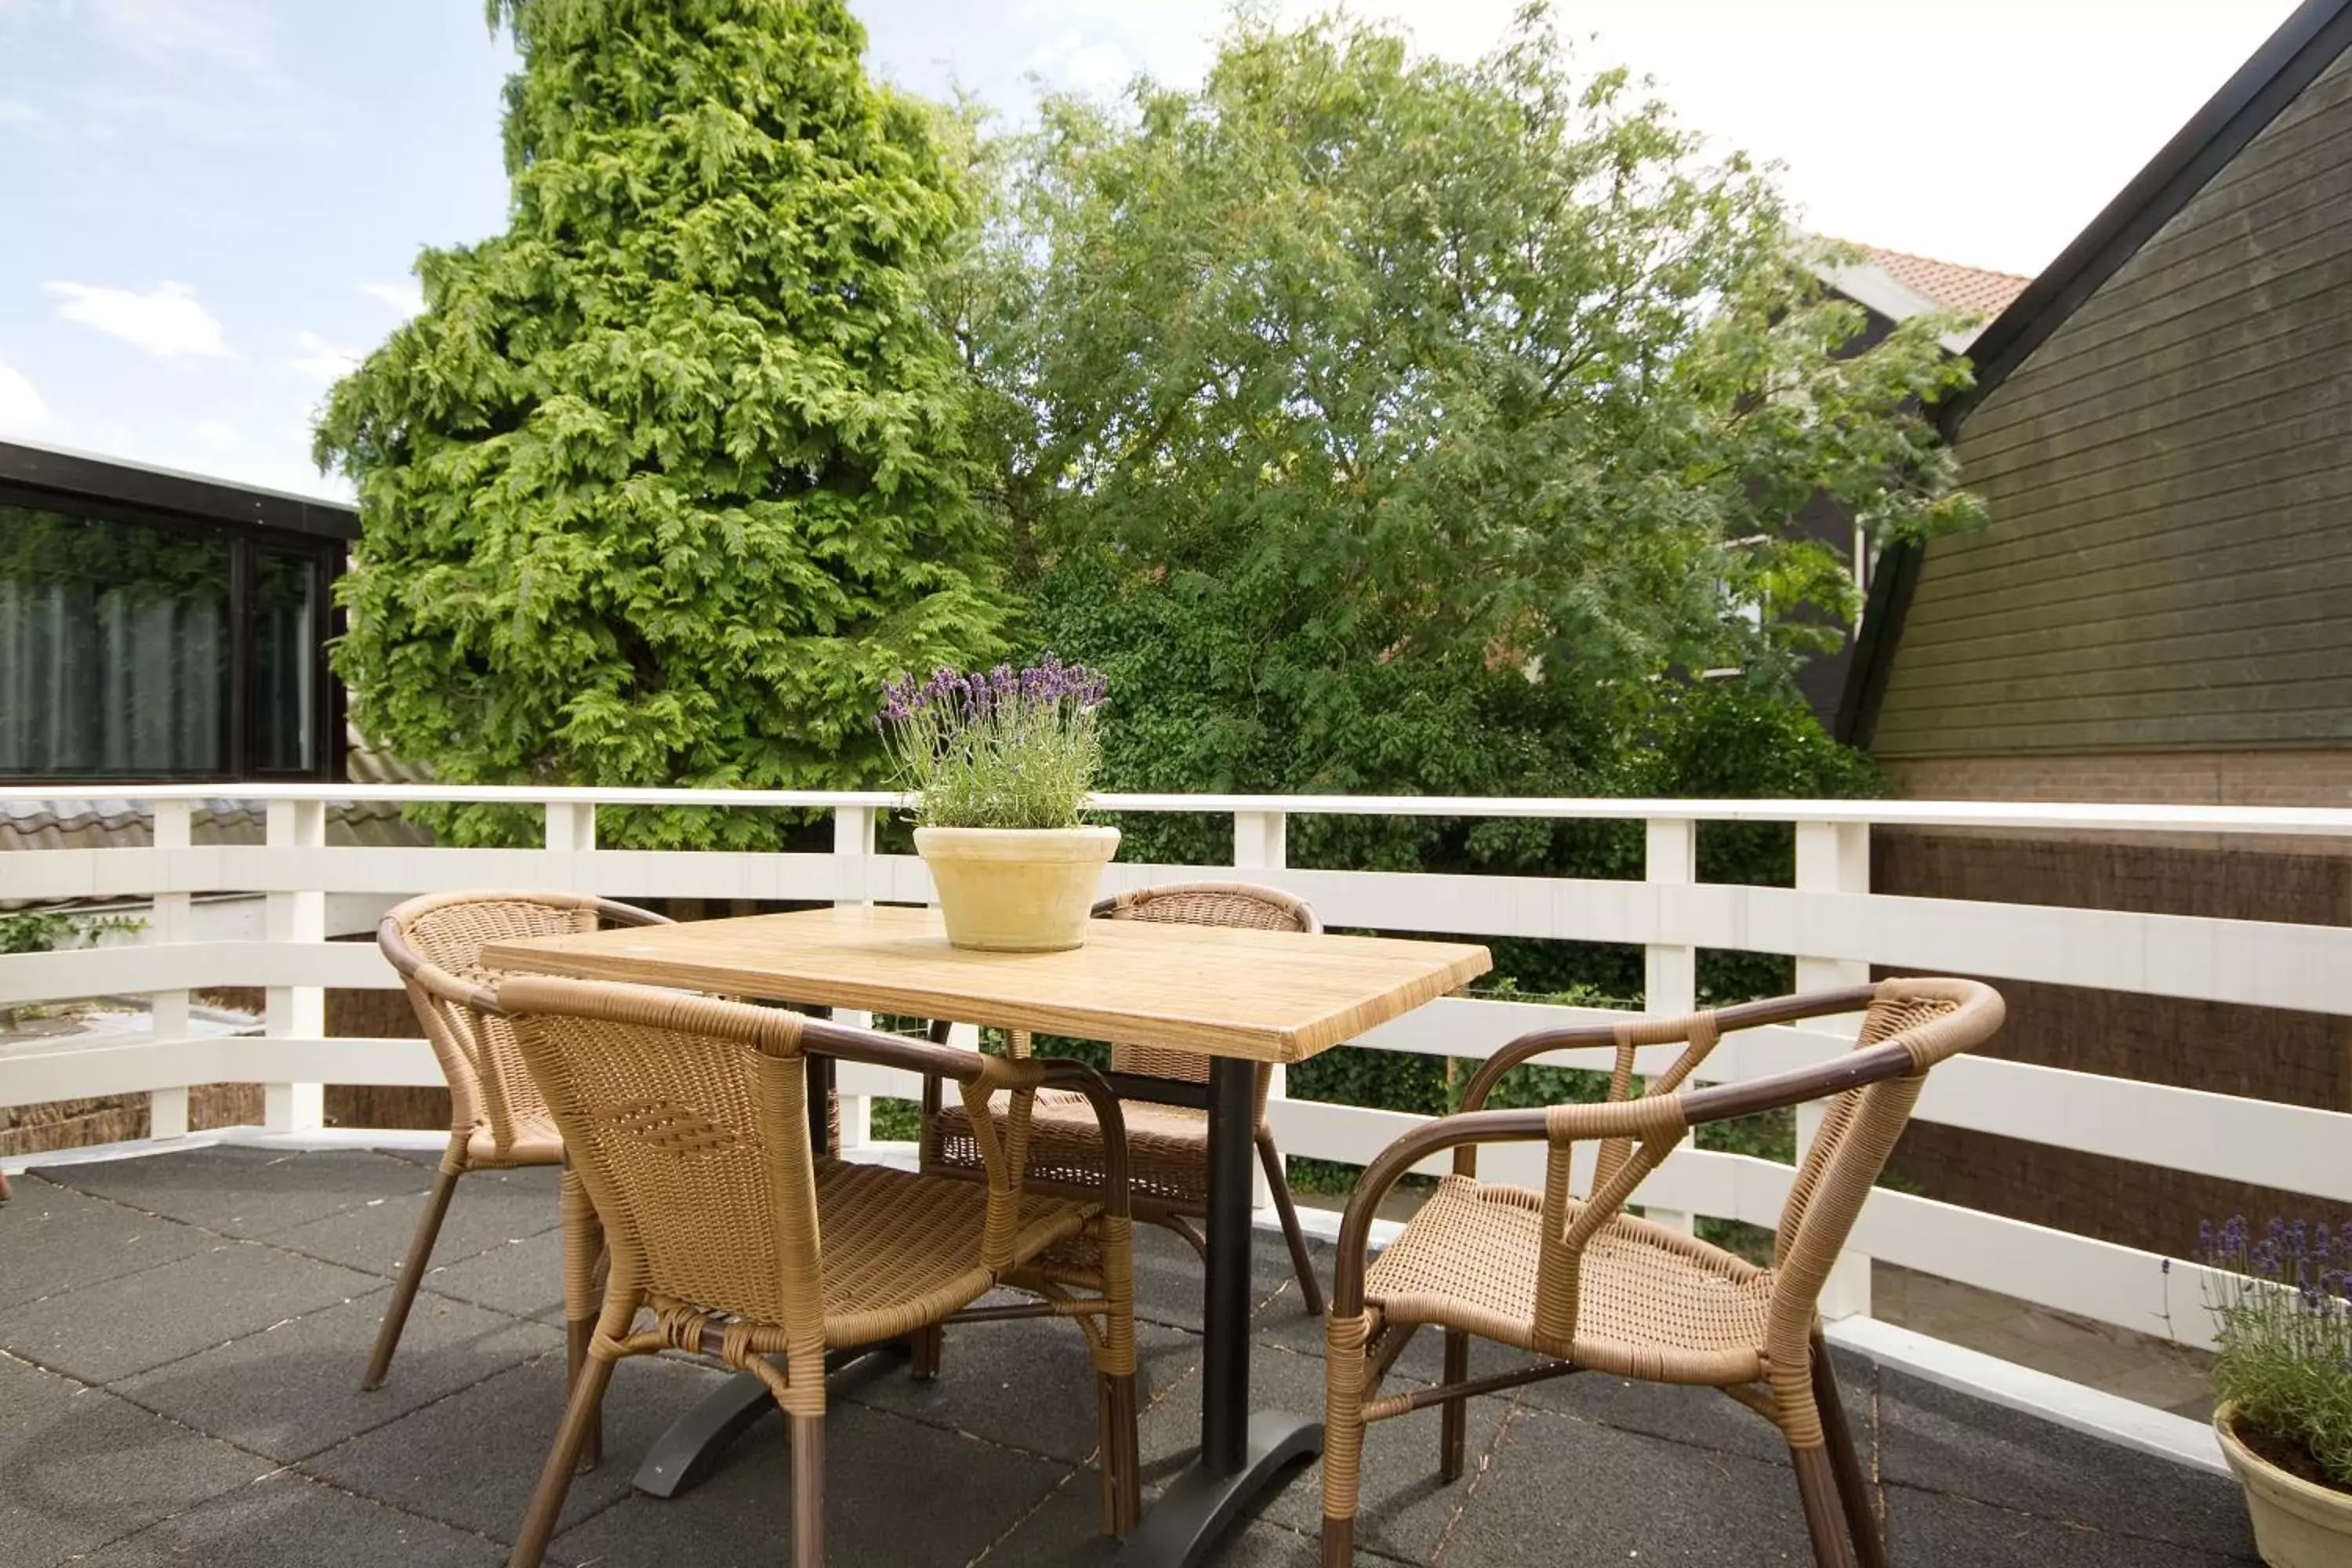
x=1575 y=1281
x=1654 y=1303
x=1167 y=1145
x=686 y=1118
x=496 y=1119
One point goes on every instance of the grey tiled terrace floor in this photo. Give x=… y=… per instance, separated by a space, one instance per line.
x=181 y=1340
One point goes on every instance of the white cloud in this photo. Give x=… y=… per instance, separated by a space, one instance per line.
x=22 y=411
x=230 y=32
x=405 y=297
x=321 y=360
x=167 y=322
x=1096 y=67
x=218 y=434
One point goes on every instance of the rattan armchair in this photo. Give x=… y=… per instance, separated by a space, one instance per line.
x=1583 y=1286
x=1168 y=1145
x=687 y=1121
x=496 y=1119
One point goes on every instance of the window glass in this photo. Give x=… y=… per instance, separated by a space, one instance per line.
x=285 y=645
x=115 y=647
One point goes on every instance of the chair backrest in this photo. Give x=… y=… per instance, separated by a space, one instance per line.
x=687 y=1119
x=1913 y=1024
x=435 y=942
x=1240 y=904
x=1931 y=1021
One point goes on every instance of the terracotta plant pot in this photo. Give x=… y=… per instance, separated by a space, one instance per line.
x=2297 y=1525
x=1016 y=890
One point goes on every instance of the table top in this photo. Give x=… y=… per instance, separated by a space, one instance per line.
x=1265 y=996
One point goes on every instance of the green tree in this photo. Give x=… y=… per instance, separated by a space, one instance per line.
x=1390 y=425
x=670 y=476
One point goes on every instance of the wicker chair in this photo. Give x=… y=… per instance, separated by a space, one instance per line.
x=687 y=1121
x=1583 y=1286
x=496 y=1119
x=1168 y=1145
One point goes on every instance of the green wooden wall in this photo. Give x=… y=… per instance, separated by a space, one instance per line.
x=2169 y=477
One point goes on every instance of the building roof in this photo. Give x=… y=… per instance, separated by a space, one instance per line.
x=49 y=470
x=1971 y=291
x=2288 y=61
x=1898 y=286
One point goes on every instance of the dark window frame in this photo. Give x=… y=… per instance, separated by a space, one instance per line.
x=247 y=542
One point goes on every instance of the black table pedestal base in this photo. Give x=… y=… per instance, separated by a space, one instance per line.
x=1198 y=1507
x=684 y=1457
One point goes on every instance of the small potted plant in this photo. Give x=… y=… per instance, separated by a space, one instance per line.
x=1004 y=762
x=2283 y=1378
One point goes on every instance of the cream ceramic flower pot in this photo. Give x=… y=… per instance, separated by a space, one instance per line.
x=1016 y=890
x=2296 y=1523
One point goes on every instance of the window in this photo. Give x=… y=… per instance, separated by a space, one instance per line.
x=283 y=696
x=159 y=648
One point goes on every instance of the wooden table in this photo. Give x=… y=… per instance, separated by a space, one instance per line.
x=1239 y=997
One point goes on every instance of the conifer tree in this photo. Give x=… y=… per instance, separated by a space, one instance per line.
x=668 y=478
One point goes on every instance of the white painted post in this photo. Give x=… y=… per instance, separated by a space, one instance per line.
x=1670 y=970
x=1834 y=857
x=852 y=882
x=1261 y=843
x=296 y=1011
x=572 y=829
x=167 y=1011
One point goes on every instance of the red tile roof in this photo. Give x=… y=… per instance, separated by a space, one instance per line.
x=1971 y=291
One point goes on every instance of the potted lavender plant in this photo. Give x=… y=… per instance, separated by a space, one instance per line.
x=2284 y=1379
x=1004 y=762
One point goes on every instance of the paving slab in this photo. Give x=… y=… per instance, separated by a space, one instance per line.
x=1568 y=1491
x=472 y=1459
x=244 y=1192
x=119 y=1327
x=294 y=1389
x=79 y=1466
x=227 y=1360
x=291 y=1521
x=491 y=1210
x=1939 y=1439
x=897 y=1492
x=54 y=1238
x=1938 y=1527
x=1027 y=1384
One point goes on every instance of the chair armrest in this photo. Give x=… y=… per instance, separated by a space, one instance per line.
x=1659 y=1031
x=877 y=1048
x=1068 y=1072
x=620 y=914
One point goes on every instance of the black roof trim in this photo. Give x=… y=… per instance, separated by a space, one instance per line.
x=2288 y=61
x=75 y=475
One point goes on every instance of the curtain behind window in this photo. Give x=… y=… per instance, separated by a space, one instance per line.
x=114 y=647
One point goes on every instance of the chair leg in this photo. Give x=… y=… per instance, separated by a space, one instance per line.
x=584 y=1264
x=1278 y=1182
x=1121 y=1463
x=411 y=1275
x=808 y=1491
x=1453 y=1415
x=1345 y=1384
x=1183 y=1228
x=555 y=1480
x=1824 y=1519
x=926 y=1348
x=1845 y=1466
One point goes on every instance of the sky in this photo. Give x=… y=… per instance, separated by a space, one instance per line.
x=209 y=208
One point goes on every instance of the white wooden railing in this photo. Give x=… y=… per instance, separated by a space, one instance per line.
x=1830 y=922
